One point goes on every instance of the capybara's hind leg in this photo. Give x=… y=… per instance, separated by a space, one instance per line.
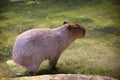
x=32 y=69
x=30 y=73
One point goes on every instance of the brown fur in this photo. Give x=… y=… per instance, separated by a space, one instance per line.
x=36 y=45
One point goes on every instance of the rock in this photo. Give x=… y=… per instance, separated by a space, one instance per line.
x=78 y=77
x=10 y=63
x=63 y=77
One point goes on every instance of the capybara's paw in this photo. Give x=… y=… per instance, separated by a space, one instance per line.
x=31 y=73
x=54 y=68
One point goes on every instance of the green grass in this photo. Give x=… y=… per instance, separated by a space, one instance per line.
x=98 y=53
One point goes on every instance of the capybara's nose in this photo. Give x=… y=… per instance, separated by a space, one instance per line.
x=84 y=31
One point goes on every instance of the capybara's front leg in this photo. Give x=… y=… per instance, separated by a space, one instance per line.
x=53 y=63
x=53 y=66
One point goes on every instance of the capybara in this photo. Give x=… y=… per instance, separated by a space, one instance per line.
x=36 y=45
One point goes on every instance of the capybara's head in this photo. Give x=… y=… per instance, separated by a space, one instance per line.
x=76 y=30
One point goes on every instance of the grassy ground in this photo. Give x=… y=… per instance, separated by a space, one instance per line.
x=98 y=53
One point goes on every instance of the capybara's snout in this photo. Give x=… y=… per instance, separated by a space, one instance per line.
x=84 y=32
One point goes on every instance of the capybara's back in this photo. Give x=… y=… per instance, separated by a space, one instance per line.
x=36 y=45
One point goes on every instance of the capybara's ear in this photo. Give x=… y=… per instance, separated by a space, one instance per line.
x=65 y=22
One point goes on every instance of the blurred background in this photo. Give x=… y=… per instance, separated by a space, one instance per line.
x=96 y=54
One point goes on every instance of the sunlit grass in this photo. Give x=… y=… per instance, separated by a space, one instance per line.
x=98 y=53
